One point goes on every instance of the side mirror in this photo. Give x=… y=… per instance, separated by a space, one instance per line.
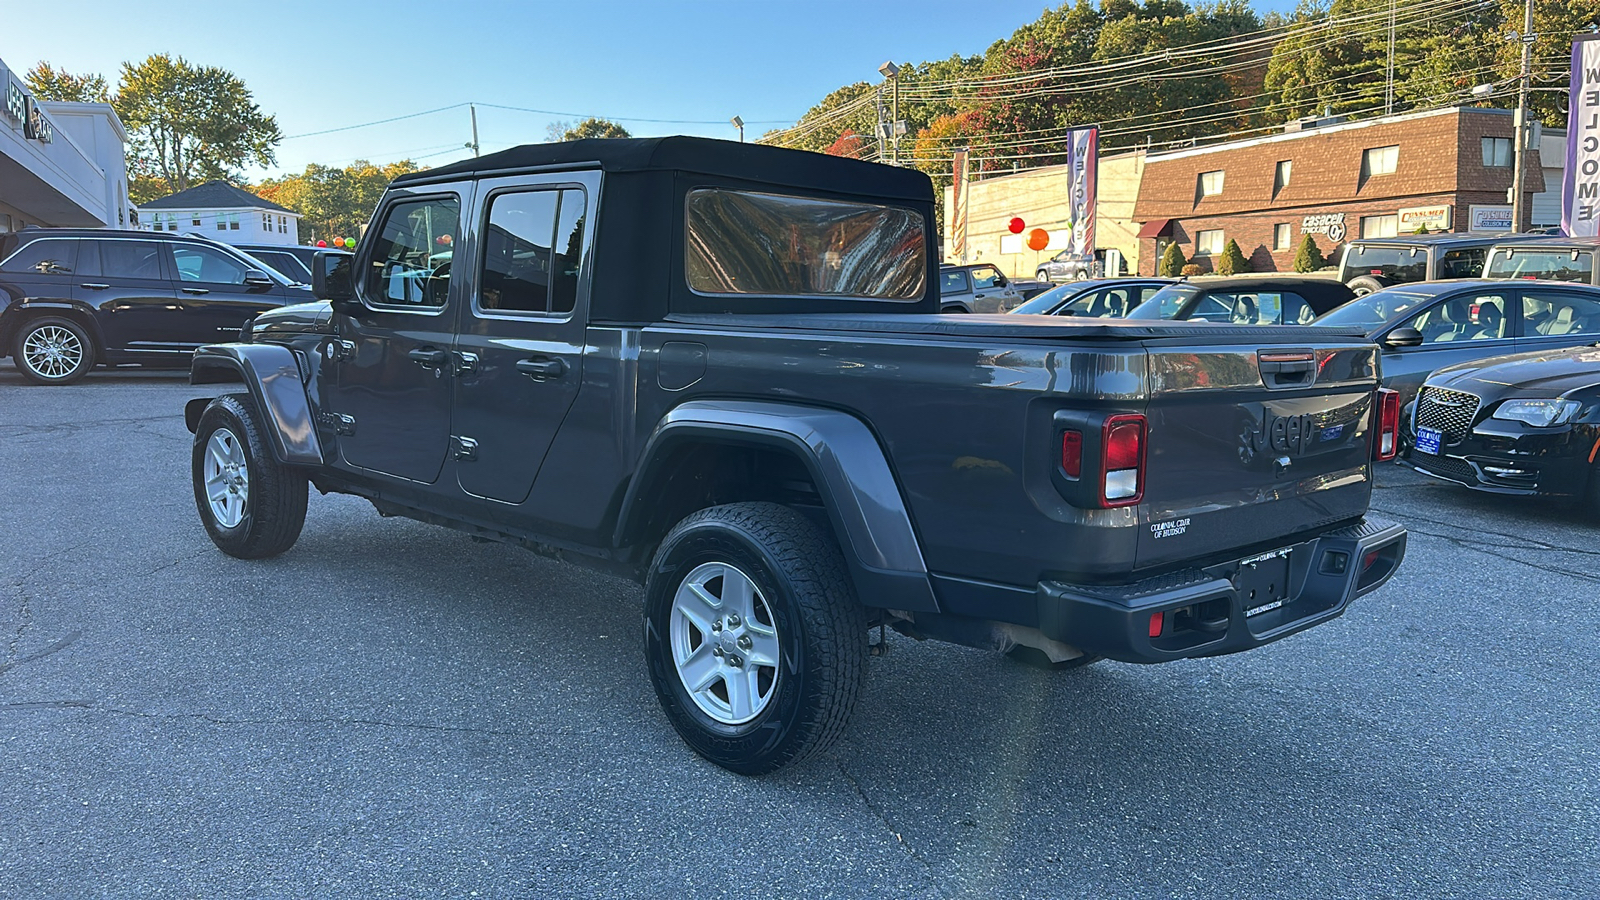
x=1000 y=281
x=331 y=278
x=1403 y=337
x=256 y=279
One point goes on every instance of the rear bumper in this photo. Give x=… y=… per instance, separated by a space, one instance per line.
x=1210 y=612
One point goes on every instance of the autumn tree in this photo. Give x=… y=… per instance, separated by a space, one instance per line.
x=334 y=202
x=46 y=82
x=595 y=128
x=188 y=124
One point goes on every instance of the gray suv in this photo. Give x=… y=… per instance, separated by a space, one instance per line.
x=979 y=288
x=1371 y=265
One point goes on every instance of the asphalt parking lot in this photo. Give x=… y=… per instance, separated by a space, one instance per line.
x=393 y=710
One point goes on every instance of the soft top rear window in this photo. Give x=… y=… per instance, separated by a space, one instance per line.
x=743 y=242
x=1553 y=264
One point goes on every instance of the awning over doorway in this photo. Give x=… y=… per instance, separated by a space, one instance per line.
x=1155 y=228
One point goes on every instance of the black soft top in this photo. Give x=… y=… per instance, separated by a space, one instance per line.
x=638 y=260
x=751 y=162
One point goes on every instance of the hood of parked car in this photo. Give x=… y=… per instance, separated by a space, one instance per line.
x=298 y=318
x=1541 y=373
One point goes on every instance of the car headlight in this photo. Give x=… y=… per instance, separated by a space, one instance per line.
x=1538 y=413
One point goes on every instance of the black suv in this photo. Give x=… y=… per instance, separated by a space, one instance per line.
x=71 y=298
x=1376 y=263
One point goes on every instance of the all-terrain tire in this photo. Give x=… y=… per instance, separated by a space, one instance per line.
x=259 y=514
x=812 y=636
x=53 y=350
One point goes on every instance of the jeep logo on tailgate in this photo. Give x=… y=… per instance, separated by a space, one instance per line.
x=1286 y=434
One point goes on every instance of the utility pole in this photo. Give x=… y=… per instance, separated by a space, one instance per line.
x=473 y=108
x=891 y=71
x=1388 y=80
x=1519 y=142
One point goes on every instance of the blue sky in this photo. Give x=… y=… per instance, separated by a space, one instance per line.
x=319 y=66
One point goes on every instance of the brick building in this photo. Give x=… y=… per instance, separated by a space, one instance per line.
x=1339 y=181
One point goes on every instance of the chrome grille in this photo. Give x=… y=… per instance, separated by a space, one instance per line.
x=1451 y=412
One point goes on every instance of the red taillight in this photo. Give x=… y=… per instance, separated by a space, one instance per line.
x=1072 y=454
x=1369 y=559
x=1387 y=440
x=1122 y=461
x=1155 y=623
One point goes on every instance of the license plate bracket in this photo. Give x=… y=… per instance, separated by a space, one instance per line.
x=1429 y=440
x=1263 y=582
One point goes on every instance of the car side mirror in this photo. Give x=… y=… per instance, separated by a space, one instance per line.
x=255 y=279
x=1000 y=281
x=331 y=279
x=1403 y=337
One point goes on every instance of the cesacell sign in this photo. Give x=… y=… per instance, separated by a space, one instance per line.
x=1330 y=224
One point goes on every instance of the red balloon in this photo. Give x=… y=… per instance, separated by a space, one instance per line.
x=1038 y=239
x=1017 y=225
x=322 y=243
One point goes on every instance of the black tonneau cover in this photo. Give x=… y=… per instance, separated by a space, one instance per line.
x=1044 y=328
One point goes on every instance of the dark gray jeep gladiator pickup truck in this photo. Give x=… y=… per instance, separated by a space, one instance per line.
x=719 y=369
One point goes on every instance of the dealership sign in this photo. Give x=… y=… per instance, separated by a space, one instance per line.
x=1083 y=157
x=35 y=126
x=1433 y=218
x=1488 y=218
x=1580 y=183
x=1330 y=224
x=16 y=101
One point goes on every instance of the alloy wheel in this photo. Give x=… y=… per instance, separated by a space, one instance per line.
x=52 y=351
x=724 y=643
x=227 y=478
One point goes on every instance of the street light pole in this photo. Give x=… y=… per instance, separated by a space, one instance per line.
x=473 y=108
x=1519 y=143
x=891 y=71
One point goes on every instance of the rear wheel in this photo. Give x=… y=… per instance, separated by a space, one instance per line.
x=1366 y=284
x=1041 y=275
x=753 y=636
x=252 y=506
x=53 y=350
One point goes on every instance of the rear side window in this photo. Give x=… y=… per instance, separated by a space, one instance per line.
x=741 y=242
x=1552 y=265
x=1397 y=264
x=45 y=257
x=533 y=250
x=953 y=282
x=412 y=255
x=1557 y=313
x=1464 y=263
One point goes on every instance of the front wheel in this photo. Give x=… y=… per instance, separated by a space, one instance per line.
x=252 y=505
x=53 y=350
x=755 y=641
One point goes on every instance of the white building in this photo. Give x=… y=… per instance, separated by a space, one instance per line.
x=219 y=210
x=61 y=164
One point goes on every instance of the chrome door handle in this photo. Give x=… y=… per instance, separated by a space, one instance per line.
x=541 y=369
x=429 y=358
x=195 y=291
x=95 y=286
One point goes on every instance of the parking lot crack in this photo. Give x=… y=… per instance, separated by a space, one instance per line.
x=877 y=811
x=1501 y=548
x=233 y=721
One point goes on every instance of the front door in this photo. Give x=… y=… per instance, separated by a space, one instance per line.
x=216 y=301
x=1472 y=324
x=393 y=365
x=520 y=344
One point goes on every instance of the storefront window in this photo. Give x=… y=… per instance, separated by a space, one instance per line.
x=1380 y=226
x=1208 y=242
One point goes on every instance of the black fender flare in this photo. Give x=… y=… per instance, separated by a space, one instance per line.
x=271 y=374
x=847 y=465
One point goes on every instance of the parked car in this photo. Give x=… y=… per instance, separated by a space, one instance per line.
x=1545 y=259
x=686 y=387
x=1096 y=298
x=1027 y=290
x=293 y=260
x=975 y=288
x=1067 y=266
x=1427 y=326
x=1528 y=423
x=72 y=298
x=1246 y=300
x=1373 y=264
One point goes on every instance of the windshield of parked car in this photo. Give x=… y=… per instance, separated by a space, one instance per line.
x=1555 y=265
x=1043 y=303
x=1165 y=303
x=743 y=242
x=1375 y=309
x=1391 y=263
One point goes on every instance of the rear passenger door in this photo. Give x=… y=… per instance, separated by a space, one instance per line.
x=519 y=345
x=127 y=282
x=1553 y=318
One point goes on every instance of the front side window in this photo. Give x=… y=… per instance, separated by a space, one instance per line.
x=207 y=265
x=411 y=257
x=985 y=277
x=533 y=249
x=1208 y=242
x=1379 y=161
x=1556 y=313
x=47 y=257
x=1464 y=317
x=1211 y=183
x=1549 y=265
x=742 y=242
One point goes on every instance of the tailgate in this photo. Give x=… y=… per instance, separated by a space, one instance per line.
x=1253 y=444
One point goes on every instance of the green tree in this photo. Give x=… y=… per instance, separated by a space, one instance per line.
x=46 y=82
x=595 y=128
x=1232 y=261
x=189 y=124
x=1308 y=258
x=1172 y=261
x=334 y=202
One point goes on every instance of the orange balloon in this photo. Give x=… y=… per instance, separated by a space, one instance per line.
x=1038 y=239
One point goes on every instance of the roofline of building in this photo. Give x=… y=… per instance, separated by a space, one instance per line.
x=1280 y=137
x=60 y=106
x=211 y=209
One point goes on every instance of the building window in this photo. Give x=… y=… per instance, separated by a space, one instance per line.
x=1208 y=242
x=222 y=222
x=266 y=222
x=1380 y=226
x=233 y=221
x=1379 y=161
x=1497 y=152
x=1280 y=178
x=1210 y=183
x=194 y=219
x=1280 y=236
